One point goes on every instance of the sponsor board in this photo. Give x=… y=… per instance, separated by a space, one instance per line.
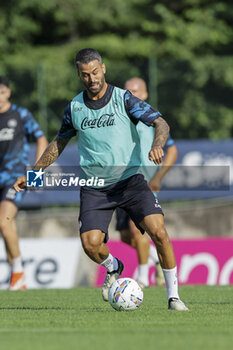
x=48 y=263
x=199 y=261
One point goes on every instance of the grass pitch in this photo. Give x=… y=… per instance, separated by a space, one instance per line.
x=79 y=319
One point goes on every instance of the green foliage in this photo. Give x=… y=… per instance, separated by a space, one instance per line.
x=191 y=41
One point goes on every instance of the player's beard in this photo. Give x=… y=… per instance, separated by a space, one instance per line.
x=95 y=91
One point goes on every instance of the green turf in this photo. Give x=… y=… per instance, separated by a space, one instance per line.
x=79 y=319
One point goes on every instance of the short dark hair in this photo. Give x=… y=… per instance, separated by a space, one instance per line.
x=4 y=81
x=87 y=55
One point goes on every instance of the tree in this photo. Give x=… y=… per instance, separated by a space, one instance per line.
x=190 y=42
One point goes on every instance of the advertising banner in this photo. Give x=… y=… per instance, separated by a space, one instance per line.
x=48 y=263
x=199 y=261
x=54 y=263
x=204 y=169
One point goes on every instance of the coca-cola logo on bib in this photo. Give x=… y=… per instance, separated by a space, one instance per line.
x=101 y=122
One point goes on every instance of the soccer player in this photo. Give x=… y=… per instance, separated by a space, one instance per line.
x=16 y=126
x=105 y=118
x=153 y=174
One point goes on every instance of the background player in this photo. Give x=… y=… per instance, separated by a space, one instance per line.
x=105 y=117
x=153 y=174
x=16 y=126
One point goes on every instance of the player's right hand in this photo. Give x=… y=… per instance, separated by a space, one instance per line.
x=20 y=184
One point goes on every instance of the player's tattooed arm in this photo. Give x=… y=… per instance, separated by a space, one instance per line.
x=161 y=133
x=51 y=153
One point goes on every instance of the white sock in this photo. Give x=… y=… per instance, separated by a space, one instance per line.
x=171 y=282
x=17 y=265
x=111 y=263
x=153 y=254
x=143 y=274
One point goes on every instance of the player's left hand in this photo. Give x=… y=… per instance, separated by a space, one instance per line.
x=20 y=184
x=156 y=154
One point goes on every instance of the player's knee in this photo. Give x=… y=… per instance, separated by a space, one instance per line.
x=159 y=234
x=91 y=242
x=144 y=241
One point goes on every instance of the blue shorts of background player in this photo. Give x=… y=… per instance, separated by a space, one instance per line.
x=8 y=193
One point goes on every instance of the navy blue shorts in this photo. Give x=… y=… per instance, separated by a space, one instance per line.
x=122 y=219
x=133 y=195
x=8 y=193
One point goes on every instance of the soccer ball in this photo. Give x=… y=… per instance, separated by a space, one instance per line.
x=125 y=294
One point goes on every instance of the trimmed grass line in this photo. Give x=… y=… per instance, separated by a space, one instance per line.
x=160 y=330
x=38 y=330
